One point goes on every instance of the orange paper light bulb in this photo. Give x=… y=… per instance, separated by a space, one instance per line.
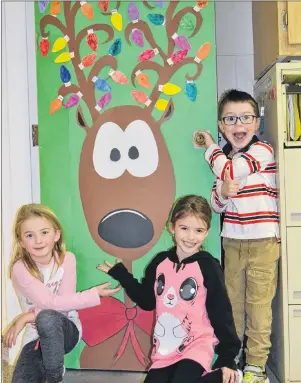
x=203 y=52
x=200 y=5
x=55 y=8
x=104 y=5
x=143 y=79
x=87 y=61
x=141 y=97
x=87 y=10
x=56 y=104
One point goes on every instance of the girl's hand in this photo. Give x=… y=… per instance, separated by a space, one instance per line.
x=103 y=290
x=108 y=266
x=229 y=376
x=10 y=337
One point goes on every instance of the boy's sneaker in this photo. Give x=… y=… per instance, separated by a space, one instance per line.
x=239 y=376
x=255 y=374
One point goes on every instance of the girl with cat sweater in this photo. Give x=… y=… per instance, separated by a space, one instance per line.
x=193 y=313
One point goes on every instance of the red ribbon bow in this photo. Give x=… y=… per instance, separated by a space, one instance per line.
x=111 y=316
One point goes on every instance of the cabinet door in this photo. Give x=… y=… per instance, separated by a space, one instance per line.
x=295 y=342
x=290 y=34
x=294 y=22
x=293 y=235
x=292 y=165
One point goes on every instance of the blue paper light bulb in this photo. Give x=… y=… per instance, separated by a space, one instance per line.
x=191 y=90
x=115 y=48
x=101 y=84
x=156 y=18
x=65 y=75
x=43 y=5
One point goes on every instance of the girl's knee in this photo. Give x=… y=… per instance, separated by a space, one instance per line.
x=46 y=319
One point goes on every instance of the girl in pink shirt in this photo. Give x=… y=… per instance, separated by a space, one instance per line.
x=193 y=314
x=44 y=276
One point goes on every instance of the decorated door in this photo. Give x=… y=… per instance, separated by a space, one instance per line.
x=121 y=88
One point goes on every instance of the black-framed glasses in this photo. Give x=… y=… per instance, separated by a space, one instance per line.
x=232 y=120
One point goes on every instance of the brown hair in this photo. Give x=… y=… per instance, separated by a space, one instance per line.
x=191 y=205
x=24 y=213
x=234 y=95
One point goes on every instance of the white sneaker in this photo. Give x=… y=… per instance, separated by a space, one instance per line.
x=239 y=376
x=254 y=374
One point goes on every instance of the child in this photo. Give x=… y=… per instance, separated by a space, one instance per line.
x=44 y=275
x=186 y=286
x=245 y=191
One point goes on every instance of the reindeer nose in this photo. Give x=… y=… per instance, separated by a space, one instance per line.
x=170 y=296
x=126 y=228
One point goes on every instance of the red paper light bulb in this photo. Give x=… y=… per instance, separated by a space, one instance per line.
x=143 y=79
x=56 y=104
x=55 y=8
x=104 y=5
x=177 y=57
x=92 y=40
x=203 y=52
x=148 y=54
x=141 y=97
x=118 y=77
x=87 y=10
x=44 y=46
x=87 y=61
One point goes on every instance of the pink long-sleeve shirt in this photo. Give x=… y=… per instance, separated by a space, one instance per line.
x=57 y=292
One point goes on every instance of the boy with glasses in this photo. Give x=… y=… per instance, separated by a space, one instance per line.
x=245 y=192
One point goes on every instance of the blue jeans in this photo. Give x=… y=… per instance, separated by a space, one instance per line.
x=58 y=336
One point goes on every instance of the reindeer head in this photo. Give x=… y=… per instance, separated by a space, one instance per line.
x=126 y=178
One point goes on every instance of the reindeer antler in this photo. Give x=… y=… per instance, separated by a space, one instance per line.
x=85 y=85
x=165 y=71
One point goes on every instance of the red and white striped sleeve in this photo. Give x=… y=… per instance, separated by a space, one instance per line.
x=252 y=161
x=218 y=203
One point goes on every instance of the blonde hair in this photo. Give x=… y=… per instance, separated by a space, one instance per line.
x=24 y=213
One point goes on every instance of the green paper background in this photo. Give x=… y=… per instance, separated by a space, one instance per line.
x=61 y=139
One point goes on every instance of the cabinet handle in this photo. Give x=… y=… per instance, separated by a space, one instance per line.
x=284 y=21
x=297 y=294
x=296 y=216
x=297 y=313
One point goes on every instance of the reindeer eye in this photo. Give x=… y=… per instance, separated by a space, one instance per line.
x=188 y=289
x=142 y=148
x=109 y=151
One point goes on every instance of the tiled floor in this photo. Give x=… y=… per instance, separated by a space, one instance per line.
x=73 y=376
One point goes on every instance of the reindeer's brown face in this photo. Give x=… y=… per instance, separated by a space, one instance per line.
x=127 y=183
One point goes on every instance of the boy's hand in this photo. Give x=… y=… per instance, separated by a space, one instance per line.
x=108 y=266
x=229 y=187
x=229 y=376
x=209 y=140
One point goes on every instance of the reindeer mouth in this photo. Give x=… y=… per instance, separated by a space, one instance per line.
x=126 y=228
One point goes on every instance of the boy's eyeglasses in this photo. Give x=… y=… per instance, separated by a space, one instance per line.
x=231 y=120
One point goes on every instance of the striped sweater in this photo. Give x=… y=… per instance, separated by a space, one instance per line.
x=253 y=212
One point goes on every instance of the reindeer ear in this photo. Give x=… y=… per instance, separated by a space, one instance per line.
x=168 y=112
x=80 y=119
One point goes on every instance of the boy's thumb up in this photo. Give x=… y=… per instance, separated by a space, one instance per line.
x=227 y=175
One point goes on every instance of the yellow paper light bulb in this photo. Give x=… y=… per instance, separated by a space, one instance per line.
x=116 y=20
x=64 y=57
x=169 y=89
x=161 y=104
x=60 y=43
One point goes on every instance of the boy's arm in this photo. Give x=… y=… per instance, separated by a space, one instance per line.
x=252 y=161
x=220 y=314
x=218 y=203
x=143 y=292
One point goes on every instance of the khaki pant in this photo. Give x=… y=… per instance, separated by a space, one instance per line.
x=251 y=269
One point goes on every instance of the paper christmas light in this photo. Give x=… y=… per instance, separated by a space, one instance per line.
x=101 y=84
x=87 y=61
x=73 y=100
x=203 y=52
x=103 y=101
x=148 y=54
x=56 y=104
x=55 y=8
x=160 y=3
x=133 y=13
x=60 y=43
x=115 y=48
x=65 y=75
x=104 y=5
x=87 y=10
x=181 y=41
x=177 y=57
x=169 y=89
x=44 y=46
x=200 y=5
x=156 y=18
x=118 y=77
x=143 y=79
x=137 y=37
x=92 y=40
x=191 y=90
x=161 y=104
x=43 y=5
x=116 y=20
x=64 y=57
x=141 y=97
x=186 y=24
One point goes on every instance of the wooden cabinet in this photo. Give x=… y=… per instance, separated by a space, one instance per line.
x=276 y=32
